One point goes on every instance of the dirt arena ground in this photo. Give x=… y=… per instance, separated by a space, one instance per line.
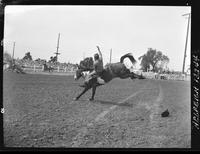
x=40 y=112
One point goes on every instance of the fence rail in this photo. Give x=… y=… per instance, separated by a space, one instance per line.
x=36 y=68
x=152 y=75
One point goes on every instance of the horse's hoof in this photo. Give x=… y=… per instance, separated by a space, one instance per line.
x=91 y=99
x=75 y=99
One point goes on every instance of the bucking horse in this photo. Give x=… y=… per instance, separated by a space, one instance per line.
x=111 y=71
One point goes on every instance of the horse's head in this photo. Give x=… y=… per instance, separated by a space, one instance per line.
x=78 y=74
x=81 y=73
x=85 y=65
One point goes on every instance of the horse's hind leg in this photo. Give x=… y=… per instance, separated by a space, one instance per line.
x=125 y=76
x=138 y=76
x=131 y=75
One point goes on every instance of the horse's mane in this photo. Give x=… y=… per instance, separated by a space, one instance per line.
x=86 y=64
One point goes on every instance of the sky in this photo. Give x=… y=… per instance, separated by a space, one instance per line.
x=124 y=29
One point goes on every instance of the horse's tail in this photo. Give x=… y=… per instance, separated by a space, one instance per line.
x=128 y=55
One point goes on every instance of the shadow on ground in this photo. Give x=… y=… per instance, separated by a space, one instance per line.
x=125 y=104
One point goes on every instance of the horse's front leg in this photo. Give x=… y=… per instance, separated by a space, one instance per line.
x=93 y=92
x=86 y=89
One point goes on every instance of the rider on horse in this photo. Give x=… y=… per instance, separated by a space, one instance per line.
x=112 y=70
x=98 y=68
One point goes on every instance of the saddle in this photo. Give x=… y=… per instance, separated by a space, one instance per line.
x=89 y=77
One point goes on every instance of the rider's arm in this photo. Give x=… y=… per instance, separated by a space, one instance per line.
x=100 y=54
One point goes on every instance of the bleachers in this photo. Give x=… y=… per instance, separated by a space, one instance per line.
x=38 y=66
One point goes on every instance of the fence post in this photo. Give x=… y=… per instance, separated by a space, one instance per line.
x=24 y=67
x=58 y=68
x=34 y=67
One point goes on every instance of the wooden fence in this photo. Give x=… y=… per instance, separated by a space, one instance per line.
x=36 y=68
x=153 y=75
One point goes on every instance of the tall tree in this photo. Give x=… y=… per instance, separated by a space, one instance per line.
x=27 y=56
x=152 y=59
x=145 y=65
